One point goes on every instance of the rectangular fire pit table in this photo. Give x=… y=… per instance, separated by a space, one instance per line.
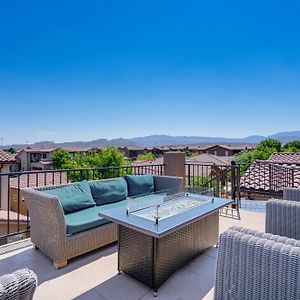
x=160 y=233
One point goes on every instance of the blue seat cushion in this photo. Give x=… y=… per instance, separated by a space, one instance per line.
x=73 y=197
x=140 y=184
x=89 y=218
x=110 y=191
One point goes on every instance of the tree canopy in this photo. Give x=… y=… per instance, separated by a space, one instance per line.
x=106 y=157
x=265 y=148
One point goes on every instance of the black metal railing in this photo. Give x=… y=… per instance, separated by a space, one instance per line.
x=268 y=179
x=262 y=179
x=212 y=176
x=14 y=218
x=233 y=181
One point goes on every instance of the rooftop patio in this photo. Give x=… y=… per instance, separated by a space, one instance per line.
x=94 y=275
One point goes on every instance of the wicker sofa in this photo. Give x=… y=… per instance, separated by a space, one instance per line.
x=258 y=265
x=49 y=222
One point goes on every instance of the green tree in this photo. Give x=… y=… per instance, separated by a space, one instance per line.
x=147 y=156
x=262 y=151
x=103 y=164
x=293 y=146
x=11 y=150
x=271 y=144
x=61 y=159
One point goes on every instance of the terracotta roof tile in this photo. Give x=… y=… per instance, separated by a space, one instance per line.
x=258 y=175
x=38 y=179
x=6 y=157
x=285 y=158
x=13 y=216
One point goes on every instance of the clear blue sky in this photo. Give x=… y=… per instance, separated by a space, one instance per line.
x=82 y=70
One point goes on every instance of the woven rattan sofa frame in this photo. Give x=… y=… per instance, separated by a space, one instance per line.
x=49 y=230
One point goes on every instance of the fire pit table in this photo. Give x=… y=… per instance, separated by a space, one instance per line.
x=159 y=233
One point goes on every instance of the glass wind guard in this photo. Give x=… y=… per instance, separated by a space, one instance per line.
x=157 y=207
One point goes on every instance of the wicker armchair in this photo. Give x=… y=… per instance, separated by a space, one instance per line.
x=19 y=285
x=257 y=265
x=283 y=216
x=49 y=230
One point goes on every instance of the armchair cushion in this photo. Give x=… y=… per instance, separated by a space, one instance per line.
x=105 y=192
x=140 y=184
x=73 y=197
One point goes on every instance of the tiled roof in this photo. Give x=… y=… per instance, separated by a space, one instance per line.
x=6 y=157
x=51 y=149
x=13 y=216
x=230 y=147
x=285 y=158
x=38 y=179
x=39 y=149
x=206 y=158
x=258 y=176
x=155 y=161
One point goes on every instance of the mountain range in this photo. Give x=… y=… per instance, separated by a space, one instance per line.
x=164 y=140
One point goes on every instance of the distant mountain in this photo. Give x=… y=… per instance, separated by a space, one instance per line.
x=164 y=140
x=79 y=144
x=286 y=137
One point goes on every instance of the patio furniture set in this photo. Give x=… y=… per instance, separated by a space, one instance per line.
x=160 y=226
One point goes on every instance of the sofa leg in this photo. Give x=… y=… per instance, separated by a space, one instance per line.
x=60 y=263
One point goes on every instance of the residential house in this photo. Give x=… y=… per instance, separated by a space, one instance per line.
x=227 y=150
x=41 y=158
x=7 y=162
x=35 y=158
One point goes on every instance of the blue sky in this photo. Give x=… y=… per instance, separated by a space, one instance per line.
x=82 y=70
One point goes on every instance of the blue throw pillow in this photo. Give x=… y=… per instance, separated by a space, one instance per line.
x=140 y=184
x=73 y=197
x=105 y=192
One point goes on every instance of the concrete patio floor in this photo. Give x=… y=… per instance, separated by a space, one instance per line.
x=94 y=275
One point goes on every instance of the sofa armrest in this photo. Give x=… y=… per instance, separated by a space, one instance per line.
x=167 y=182
x=47 y=220
x=291 y=194
x=283 y=218
x=252 y=267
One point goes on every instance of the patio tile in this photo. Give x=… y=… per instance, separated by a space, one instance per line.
x=122 y=287
x=212 y=252
x=64 y=288
x=183 y=285
x=98 y=271
x=90 y=295
x=203 y=265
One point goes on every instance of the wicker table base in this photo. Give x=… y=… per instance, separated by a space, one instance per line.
x=153 y=260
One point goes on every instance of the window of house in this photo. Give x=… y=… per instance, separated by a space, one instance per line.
x=44 y=155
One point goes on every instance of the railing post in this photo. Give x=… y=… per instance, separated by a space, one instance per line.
x=233 y=180
x=174 y=164
x=271 y=192
x=189 y=175
x=4 y=182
